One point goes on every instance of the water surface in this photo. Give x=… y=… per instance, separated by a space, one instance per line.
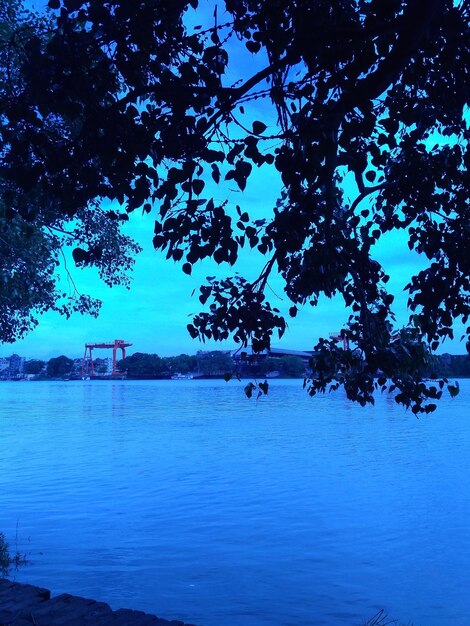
x=185 y=499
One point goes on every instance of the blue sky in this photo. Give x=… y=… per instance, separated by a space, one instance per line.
x=153 y=314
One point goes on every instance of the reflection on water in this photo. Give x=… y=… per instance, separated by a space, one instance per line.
x=184 y=499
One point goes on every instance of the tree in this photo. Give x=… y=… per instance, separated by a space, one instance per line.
x=132 y=103
x=293 y=366
x=36 y=226
x=34 y=366
x=59 y=366
x=141 y=365
x=214 y=363
x=181 y=364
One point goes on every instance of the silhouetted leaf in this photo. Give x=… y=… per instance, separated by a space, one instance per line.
x=259 y=127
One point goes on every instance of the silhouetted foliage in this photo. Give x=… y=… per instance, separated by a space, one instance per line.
x=34 y=366
x=271 y=366
x=36 y=223
x=450 y=365
x=130 y=102
x=291 y=366
x=214 y=363
x=182 y=364
x=142 y=365
x=59 y=366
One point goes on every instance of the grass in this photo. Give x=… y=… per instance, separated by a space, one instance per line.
x=9 y=561
x=382 y=619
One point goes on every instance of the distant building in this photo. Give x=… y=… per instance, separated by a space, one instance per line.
x=273 y=352
x=76 y=367
x=103 y=367
x=17 y=363
x=12 y=367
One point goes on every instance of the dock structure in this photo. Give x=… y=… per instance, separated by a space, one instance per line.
x=26 y=605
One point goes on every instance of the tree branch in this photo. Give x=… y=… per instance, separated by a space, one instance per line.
x=367 y=191
x=415 y=25
x=260 y=283
x=176 y=90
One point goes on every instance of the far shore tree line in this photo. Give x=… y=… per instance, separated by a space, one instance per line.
x=152 y=366
x=215 y=364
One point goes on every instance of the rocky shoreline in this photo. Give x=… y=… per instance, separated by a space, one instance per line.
x=26 y=605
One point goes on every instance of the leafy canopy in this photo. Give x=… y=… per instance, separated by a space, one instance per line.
x=36 y=226
x=134 y=102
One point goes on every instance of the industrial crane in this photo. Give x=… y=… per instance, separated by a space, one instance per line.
x=87 y=363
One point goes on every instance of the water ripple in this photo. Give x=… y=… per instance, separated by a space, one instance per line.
x=189 y=501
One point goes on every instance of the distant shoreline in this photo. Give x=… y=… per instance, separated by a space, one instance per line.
x=210 y=365
x=104 y=379
x=169 y=378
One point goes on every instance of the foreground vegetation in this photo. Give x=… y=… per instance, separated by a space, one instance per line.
x=356 y=110
x=382 y=619
x=9 y=561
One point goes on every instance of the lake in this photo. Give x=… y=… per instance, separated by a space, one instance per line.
x=187 y=500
